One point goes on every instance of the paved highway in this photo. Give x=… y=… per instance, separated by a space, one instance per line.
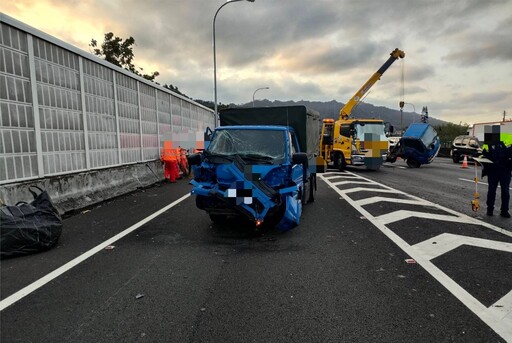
x=151 y=267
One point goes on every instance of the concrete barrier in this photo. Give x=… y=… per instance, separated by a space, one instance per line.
x=73 y=192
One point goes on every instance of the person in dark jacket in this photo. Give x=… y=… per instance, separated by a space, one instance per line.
x=498 y=172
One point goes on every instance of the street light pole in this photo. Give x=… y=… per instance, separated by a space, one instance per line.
x=215 y=57
x=255 y=94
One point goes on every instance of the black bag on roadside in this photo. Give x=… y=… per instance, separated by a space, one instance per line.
x=27 y=228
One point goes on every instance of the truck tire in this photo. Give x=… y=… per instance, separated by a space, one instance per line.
x=312 y=188
x=339 y=161
x=304 y=193
x=307 y=194
x=412 y=163
x=218 y=218
x=455 y=158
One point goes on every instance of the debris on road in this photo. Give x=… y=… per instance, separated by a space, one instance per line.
x=410 y=261
x=139 y=295
x=110 y=247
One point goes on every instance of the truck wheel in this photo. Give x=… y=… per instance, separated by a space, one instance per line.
x=339 y=162
x=455 y=158
x=304 y=193
x=412 y=163
x=391 y=159
x=312 y=187
x=272 y=220
x=218 y=218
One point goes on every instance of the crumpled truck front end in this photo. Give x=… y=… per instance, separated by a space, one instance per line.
x=265 y=194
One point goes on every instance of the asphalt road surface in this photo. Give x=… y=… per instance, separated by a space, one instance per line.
x=379 y=257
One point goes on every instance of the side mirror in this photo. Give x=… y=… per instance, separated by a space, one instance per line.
x=208 y=134
x=300 y=158
x=194 y=159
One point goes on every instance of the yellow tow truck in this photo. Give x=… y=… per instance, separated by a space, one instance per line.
x=356 y=141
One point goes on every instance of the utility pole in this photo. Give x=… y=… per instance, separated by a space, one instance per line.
x=424 y=114
x=401 y=104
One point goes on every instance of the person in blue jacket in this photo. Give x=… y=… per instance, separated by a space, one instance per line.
x=498 y=172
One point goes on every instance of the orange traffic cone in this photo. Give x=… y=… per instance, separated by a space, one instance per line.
x=465 y=162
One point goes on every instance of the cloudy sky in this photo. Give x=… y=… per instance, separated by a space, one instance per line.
x=458 y=52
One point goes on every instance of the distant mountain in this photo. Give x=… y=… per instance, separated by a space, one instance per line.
x=331 y=109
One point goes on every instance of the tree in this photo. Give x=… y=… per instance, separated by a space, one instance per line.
x=174 y=89
x=120 y=53
x=210 y=105
x=447 y=132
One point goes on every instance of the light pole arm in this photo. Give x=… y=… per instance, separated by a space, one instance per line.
x=253 y=94
x=215 y=57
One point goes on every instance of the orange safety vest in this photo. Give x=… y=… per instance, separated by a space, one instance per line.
x=168 y=153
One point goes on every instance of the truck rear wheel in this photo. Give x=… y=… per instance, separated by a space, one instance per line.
x=339 y=161
x=312 y=188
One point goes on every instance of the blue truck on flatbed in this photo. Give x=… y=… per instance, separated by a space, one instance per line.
x=261 y=164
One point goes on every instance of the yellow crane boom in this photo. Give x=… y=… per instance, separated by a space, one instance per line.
x=349 y=106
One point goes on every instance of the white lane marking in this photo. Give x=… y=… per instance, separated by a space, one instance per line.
x=387 y=189
x=340 y=176
x=393 y=166
x=479 y=182
x=64 y=268
x=372 y=200
x=339 y=183
x=361 y=189
x=501 y=308
x=395 y=216
x=501 y=324
x=446 y=242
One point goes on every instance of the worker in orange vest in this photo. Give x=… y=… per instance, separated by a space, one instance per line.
x=183 y=161
x=176 y=163
x=170 y=160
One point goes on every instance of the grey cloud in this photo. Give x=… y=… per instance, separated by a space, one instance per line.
x=484 y=97
x=479 y=47
x=241 y=91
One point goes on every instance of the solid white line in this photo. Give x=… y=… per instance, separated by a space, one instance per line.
x=483 y=183
x=61 y=270
x=473 y=181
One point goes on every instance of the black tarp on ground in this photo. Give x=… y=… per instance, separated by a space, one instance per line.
x=28 y=228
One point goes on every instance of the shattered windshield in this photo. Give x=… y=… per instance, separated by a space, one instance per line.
x=249 y=144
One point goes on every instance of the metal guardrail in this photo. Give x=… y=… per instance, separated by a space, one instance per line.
x=64 y=110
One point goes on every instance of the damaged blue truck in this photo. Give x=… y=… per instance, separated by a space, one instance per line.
x=260 y=164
